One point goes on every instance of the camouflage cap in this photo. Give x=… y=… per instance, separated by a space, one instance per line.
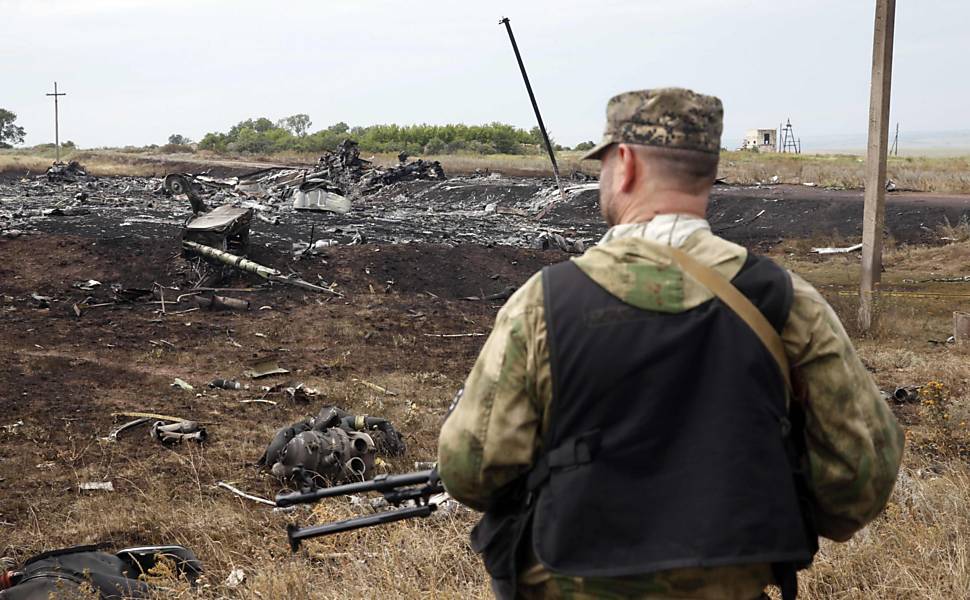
x=668 y=117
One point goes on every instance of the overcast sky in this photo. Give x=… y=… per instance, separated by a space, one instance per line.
x=136 y=71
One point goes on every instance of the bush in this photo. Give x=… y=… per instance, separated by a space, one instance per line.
x=262 y=136
x=435 y=146
x=176 y=148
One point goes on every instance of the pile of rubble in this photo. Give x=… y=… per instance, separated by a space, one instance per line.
x=71 y=172
x=307 y=210
x=338 y=176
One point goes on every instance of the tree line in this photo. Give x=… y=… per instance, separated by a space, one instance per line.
x=292 y=134
x=263 y=136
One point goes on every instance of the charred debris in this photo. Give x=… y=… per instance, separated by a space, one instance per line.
x=342 y=199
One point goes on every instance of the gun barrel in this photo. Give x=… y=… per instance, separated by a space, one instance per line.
x=381 y=483
x=297 y=534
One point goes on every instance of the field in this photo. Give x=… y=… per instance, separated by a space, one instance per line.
x=949 y=175
x=64 y=375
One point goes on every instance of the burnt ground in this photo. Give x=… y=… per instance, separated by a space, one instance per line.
x=63 y=375
x=490 y=210
x=429 y=246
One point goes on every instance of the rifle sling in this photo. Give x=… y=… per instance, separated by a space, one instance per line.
x=721 y=287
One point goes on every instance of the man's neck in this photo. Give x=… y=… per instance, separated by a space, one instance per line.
x=669 y=203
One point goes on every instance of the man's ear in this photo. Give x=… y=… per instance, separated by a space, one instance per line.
x=626 y=165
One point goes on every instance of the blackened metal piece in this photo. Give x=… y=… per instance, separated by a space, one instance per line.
x=535 y=107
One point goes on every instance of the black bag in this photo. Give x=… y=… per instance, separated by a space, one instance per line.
x=498 y=539
x=63 y=573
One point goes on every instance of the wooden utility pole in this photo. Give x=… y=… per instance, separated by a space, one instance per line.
x=57 y=133
x=874 y=215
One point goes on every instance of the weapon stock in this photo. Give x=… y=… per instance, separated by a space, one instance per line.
x=418 y=487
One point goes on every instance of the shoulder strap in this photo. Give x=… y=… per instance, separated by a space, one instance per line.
x=721 y=287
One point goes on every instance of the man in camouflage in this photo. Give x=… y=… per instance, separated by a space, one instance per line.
x=659 y=161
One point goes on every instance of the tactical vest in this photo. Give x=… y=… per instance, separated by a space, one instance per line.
x=669 y=444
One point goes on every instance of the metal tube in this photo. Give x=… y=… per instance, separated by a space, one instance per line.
x=231 y=259
x=535 y=107
x=297 y=534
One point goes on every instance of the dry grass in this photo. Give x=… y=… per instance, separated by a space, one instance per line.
x=916 y=550
x=924 y=174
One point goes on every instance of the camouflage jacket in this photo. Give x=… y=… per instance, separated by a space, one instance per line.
x=494 y=431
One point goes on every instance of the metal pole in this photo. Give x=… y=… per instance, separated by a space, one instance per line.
x=535 y=107
x=57 y=133
x=874 y=215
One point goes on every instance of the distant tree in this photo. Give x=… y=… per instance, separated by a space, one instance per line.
x=262 y=125
x=177 y=139
x=536 y=135
x=340 y=128
x=9 y=133
x=585 y=146
x=297 y=124
x=69 y=145
x=435 y=146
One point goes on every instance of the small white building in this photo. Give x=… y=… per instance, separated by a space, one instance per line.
x=762 y=140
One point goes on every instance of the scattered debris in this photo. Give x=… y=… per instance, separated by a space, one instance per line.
x=419 y=169
x=113 y=436
x=12 y=428
x=375 y=387
x=174 y=433
x=504 y=294
x=321 y=200
x=214 y=302
x=547 y=239
x=847 y=250
x=88 y=285
x=148 y=415
x=454 y=335
x=300 y=393
x=89 y=486
x=42 y=301
x=739 y=222
x=227 y=384
x=181 y=383
x=238 y=492
x=906 y=395
x=249 y=266
x=71 y=172
x=127 y=295
x=333 y=446
x=225 y=228
x=265 y=368
x=323 y=188
x=235 y=579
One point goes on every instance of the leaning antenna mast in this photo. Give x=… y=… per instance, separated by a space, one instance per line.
x=535 y=107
